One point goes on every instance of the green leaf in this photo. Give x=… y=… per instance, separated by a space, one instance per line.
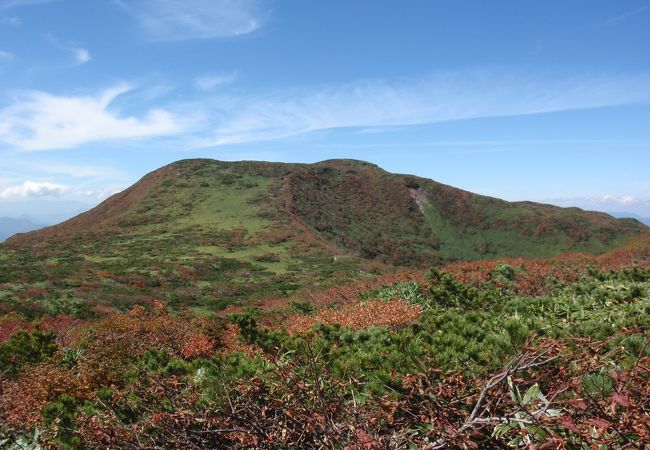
x=536 y=432
x=531 y=394
x=553 y=412
x=514 y=391
x=503 y=428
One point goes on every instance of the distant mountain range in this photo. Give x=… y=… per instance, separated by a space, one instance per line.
x=10 y=226
x=30 y=215
x=43 y=211
x=621 y=215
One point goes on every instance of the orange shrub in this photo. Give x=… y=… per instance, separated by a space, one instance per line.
x=359 y=316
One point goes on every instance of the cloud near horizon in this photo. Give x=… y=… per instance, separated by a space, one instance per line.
x=33 y=189
x=42 y=121
x=101 y=194
x=607 y=202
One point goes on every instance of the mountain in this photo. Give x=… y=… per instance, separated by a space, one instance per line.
x=622 y=215
x=10 y=226
x=203 y=233
x=351 y=205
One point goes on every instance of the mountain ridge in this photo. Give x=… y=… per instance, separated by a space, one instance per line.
x=328 y=198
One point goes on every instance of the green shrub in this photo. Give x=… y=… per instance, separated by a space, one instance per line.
x=305 y=308
x=24 y=348
x=411 y=292
x=59 y=417
x=597 y=385
x=446 y=291
x=504 y=272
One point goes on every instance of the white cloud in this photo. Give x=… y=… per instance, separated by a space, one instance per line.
x=607 y=202
x=9 y=20
x=625 y=200
x=441 y=97
x=40 y=121
x=74 y=170
x=628 y=14
x=195 y=19
x=7 y=4
x=31 y=189
x=81 y=55
x=101 y=194
x=209 y=82
x=5 y=57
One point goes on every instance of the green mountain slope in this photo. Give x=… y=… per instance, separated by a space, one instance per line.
x=204 y=233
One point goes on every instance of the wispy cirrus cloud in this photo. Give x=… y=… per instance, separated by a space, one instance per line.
x=10 y=20
x=40 y=121
x=81 y=55
x=449 y=96
x=33 y=189
x=5 y=57
x=628 y=14
x=169 y=20
x=211 y=81
x=8 y=4
x=76 y=170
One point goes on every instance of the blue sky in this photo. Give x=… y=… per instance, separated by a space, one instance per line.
x=523 y=100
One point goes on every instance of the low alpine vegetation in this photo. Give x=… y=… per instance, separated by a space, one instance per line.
x=478 y=365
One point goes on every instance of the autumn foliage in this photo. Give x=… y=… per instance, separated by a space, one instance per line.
x=496 y=354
